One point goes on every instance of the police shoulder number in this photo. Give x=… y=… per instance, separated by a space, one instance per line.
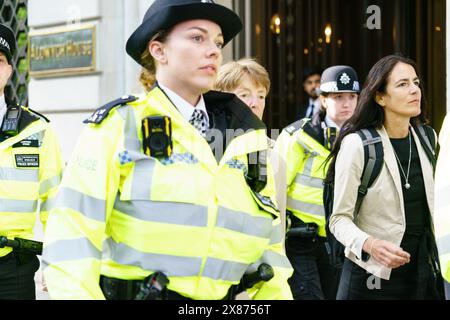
x=294 y=127
x=101 y=113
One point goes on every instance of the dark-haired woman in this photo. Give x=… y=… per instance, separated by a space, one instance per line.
x=388 y=242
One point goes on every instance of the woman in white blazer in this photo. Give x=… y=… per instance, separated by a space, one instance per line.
x=388 y=243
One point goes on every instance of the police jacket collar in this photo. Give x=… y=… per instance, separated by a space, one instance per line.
x=241 y=115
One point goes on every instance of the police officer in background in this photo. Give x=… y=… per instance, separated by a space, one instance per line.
x=306 y=145
x=158 y=214
x=442 y=204
x=30 y=170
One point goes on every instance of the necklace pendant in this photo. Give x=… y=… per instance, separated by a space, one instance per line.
x=407 y=186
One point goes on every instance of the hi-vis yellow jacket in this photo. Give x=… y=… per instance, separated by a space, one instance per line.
x=442 y=200
x=305 y=158
x=125 y=215
x=30 y=170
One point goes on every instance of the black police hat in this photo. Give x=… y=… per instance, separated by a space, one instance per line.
x=339 y=79
x=7 y=41
x=164 y=14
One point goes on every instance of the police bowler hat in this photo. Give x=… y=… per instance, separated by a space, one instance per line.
x=164 y=14
x=339 y=79
x=7 y=42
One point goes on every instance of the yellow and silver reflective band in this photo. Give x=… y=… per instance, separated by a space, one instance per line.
x=307 y=149
x=278 y=235
x=164 y=212
x=443 y=244
x=216 y=269
x=244 y=223
x=19 y=206
x=272 y=258
x=50 y=183
x=143 y=165
x=219 y=269
x=69 y=250
x=310 y=208
x=23 y=175
x=132 y=142
x=86 y=205
x=306 y=179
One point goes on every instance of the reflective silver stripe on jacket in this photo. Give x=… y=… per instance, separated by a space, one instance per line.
x=313 y=209
x=443 y=244
x=306 y=179
x=175 y=266
x=48 y=204
x=21 y=206
x=88 y=206
x=23 y=175
x=309 y=181
x=278 y=235
x=164 y=212
x=69 y=250
x=218 y=269
x=244 y=223
x=275 y=260
x=144 y=165
x=48 y=184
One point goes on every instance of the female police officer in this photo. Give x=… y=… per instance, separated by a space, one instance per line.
x=144 y=194
x=30 y=171
x=306 y=144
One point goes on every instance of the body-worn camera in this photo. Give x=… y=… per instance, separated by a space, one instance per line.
x=11 y=122
x=157 y=136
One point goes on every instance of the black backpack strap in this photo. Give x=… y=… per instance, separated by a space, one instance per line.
x=373 y=162
x=428 y=141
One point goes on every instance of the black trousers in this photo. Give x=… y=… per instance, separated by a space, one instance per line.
x=357 y=284
x=17 y=277
x=314 y=278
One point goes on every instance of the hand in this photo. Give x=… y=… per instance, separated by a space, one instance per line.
x=386 y=253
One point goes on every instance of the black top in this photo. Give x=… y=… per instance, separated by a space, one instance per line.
x=415 y=202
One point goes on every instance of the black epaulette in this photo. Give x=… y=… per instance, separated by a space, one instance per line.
x=35 y=113
x=101 y=113
x=294 y=127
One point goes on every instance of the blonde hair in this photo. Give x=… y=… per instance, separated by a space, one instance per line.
x=147 y=78
x=230 y=74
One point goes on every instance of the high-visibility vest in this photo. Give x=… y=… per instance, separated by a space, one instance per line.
x=30 y=171
x=123 y=214
x=305 y=161
x=442 y=200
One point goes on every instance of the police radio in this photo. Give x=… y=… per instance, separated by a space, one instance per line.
x=157 y=136
x=11 y=122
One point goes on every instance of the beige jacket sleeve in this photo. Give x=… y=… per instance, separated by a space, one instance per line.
x=349 y=166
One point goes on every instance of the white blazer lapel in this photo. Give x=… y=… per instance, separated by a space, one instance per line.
x=392 y=165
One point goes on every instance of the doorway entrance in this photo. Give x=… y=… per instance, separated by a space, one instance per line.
x=288 y=35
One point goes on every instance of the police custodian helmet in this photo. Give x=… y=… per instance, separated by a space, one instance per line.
x=7 y=41
x=164 y=14
x=339 y=79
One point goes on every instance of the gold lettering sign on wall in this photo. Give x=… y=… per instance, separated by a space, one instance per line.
x=62 y=51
